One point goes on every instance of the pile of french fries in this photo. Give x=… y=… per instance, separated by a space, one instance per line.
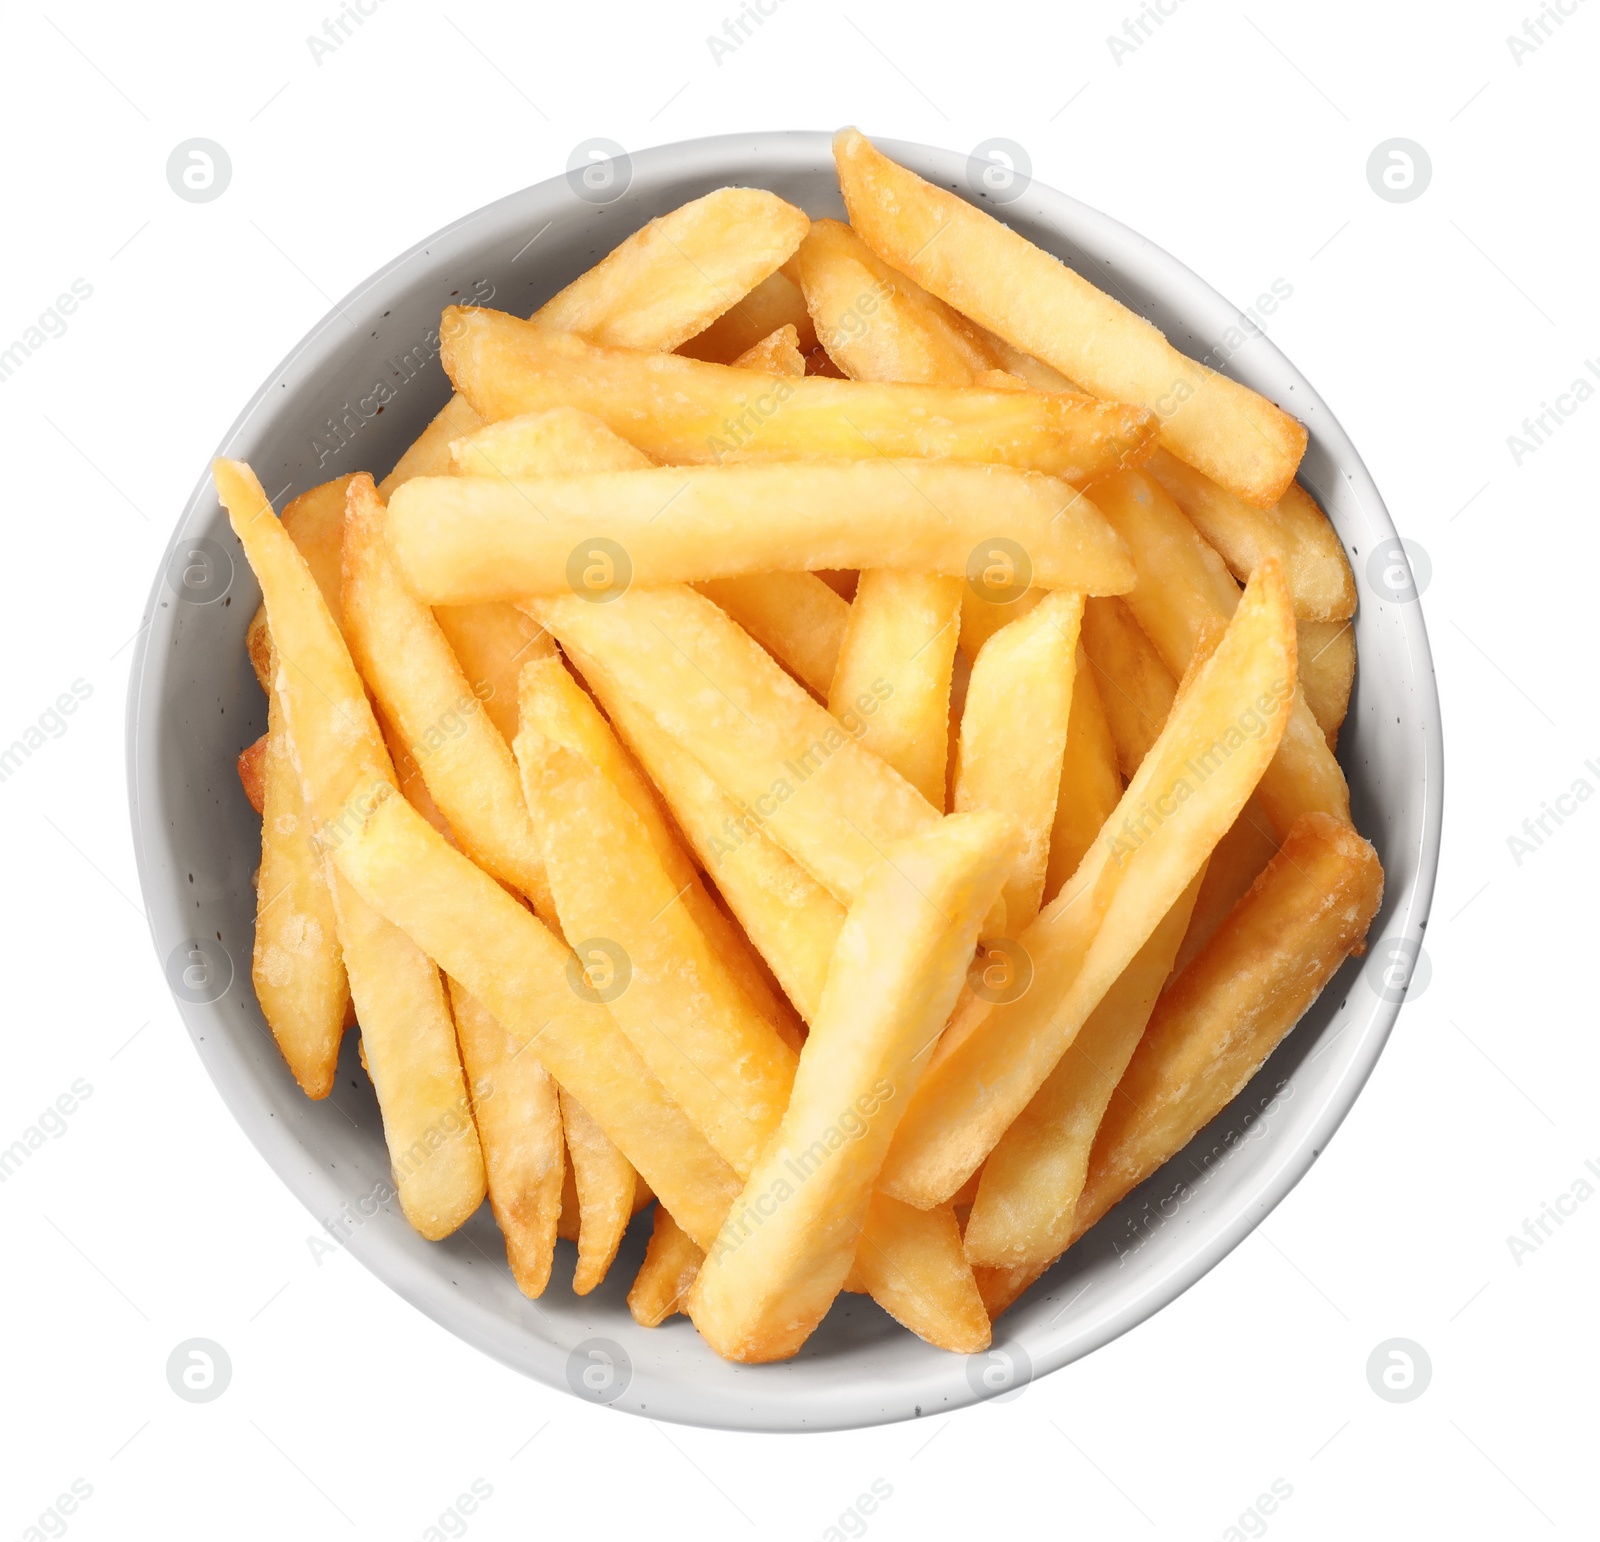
x=829 y=732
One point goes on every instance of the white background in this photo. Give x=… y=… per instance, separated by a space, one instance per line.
x=1238 y=140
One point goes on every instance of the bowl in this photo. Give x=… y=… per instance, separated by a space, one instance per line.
x=352 y=395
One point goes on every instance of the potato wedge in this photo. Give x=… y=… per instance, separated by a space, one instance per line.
x=1294 y=530
x=673 y=277
x=796 y=617
x=1230 y=1008
x=788 y=1244
x=1091 y=785
x=801 y=775
x=777 y=354
x=1328 y=673
x=716 y=1056
x=460 y=539
x=1014 y=737
x=1029 y=1187
x=687 y=412
x=404 y=656
x=518 y=1114
x=1008 y=285
x=775 y=302
x=1182 y=585
x=671 y=1262
x=603 y=1182
x=1222 y=732
x=896 y=656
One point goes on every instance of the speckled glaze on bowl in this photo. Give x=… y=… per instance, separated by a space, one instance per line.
x=193 y=704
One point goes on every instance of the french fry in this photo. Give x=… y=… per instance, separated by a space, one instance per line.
x=603 y=1181
x=460 y=539
x=895 y=660
x=671 y=1262
x=557 y=708
x=792 y=920
x=775 y=302
x=1294 y=530
x=796 y=617
x=911 y=1263
x=777 y=354
x=875 y=322
x=690 y=265
x=710 y=687
x=543 y=444
x=1182 y=585
x=1028 y=1191
x=408 y=1036
x=1236 y=863
x=1232 y=1006
x=1328 y=673
x=251 y=766
x=406 y=659
x=999 y=1289
x=1039 y=305
x=685 y=411
x=1091 y=785
x=1136 y=688
x=671 y=279
x=1014 y=736
x=724 y=1065
x=296 y=965
x=787 y=1247
x=982 y=617
x=492 y=642
x=518 y=1114
x=409 y=779
x=508 y=959
x=1220 y=735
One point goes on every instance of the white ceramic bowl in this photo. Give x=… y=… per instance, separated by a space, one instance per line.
x=193 y=704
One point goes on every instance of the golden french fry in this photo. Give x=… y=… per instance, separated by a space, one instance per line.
x=999 y=1289
x=518 y=1115
x=1231 y=1007
x=508 y=959
x=802 y=774
x=1028 y=1191
x=459 y=539
x=777 y=354
x=775 y=302
x=796 y=617
x=429 y=453
x=792 y=920
x=1294 y=530
x=1328 y=672
x=911 y=1263
x=688 y=412
x=671 y=279
x=724 y=1065
x=1236 y=863
x=1136 y=688
x=409 y=774
x=983 y=616
x=296 y=965
x=251 y=766
x=555 y=706
x=603 y=1181
x=492 y=642
x=1221 y=733
x=895 y=660
x=1014 y=736
x=1091 y=785
x=788 y=1244
x=542 y=444
x=1039 y=305
x=671 y=1261
x=408 y=1035
x=1182 y=585
x=406 y=659
x=875 y=322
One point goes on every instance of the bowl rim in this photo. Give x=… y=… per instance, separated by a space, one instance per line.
x=851 y=1406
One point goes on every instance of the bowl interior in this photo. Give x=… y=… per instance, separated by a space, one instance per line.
x=351 y=396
